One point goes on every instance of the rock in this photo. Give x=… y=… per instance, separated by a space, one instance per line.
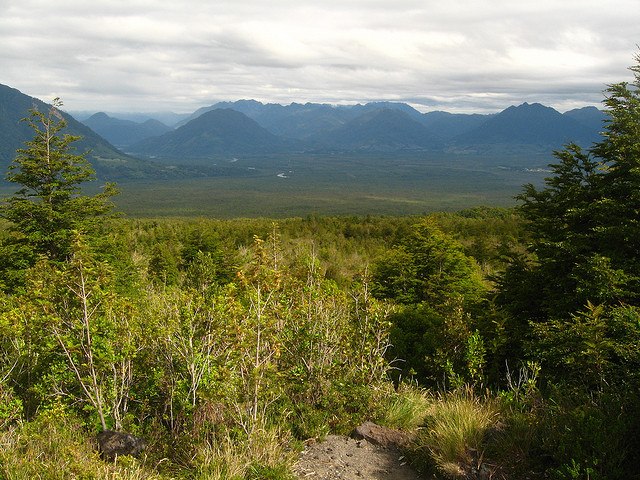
x=381 y=436
x=113 y=444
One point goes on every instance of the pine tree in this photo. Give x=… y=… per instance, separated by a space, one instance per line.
x=620 y=204
x=49 y=206
x=585 y=222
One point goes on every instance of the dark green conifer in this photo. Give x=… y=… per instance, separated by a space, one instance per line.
x=49 y=206
x=585 y=222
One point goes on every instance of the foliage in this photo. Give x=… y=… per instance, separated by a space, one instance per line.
x=586 y=435
x=595 y=349
x=584 y=223
x=437 y=286
x=570 y=305
x=48 y=208
x=191 y=363
x=55 y=446
x=429 y=267
x=438 y=348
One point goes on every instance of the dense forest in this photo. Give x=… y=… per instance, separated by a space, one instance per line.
x=504 y=340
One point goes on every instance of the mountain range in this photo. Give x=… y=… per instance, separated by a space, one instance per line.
x=15 y=106
x=374 y=127
x=249 y=127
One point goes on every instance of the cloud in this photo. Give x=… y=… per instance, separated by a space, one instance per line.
x=460 y=56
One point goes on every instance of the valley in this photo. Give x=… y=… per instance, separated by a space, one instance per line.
x=250 y=159
x=296 y=185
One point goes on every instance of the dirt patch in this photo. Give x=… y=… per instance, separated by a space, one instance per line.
x=344 y=458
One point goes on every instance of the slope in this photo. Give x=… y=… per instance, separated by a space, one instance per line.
x=124 y=132
x=108 y=162
x=216 y=132
x=381 y=130
x=532 y=126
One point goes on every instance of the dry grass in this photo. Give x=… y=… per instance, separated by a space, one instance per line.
x=56 y=447
x=265 y=454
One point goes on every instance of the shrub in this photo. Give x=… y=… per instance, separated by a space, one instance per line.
x=591 y=435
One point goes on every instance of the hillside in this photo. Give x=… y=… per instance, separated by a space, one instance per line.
x=449 y=125
x=216 y=132
x=381 y=130
x=14 y=106
x=108 y=161
x=304 y=121
x=122 y=133
x=532 y=125
x=295 y=121
x=590 y=117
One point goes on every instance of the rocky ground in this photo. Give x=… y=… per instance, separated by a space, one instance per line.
x=374 y=455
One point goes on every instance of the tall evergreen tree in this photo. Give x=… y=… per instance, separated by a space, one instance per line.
x=620 y=151
x=585 y=222
x=49 y=206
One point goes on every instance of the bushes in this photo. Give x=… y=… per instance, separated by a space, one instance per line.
x=436 y=347
x=590 y=435
x=207 y=371
x=568 y=435
x=212 y=368
x=595 y=349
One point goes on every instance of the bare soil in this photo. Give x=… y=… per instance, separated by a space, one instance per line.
x=344 y=458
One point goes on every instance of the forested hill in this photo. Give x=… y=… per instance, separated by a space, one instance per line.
x=218 y=131
x=14 y=106
x=121 y=132
x=529 y=124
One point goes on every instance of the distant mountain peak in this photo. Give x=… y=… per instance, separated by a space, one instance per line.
x=531 y=106
x=215 y=132
x=123 y=133
x=529 y=124
x=99 y=116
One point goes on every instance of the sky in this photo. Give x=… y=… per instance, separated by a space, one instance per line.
x=454 y=55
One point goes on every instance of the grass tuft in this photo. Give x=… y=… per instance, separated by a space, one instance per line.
x=265 y=454
x=455 y=432
x=55 y=446
x=407 y=408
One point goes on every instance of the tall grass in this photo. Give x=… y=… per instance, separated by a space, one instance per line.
x=407 y=408
x=265 y=454
x=455 y=431
x=56 y=447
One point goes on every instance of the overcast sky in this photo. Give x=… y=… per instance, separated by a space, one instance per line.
x=453 y=55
